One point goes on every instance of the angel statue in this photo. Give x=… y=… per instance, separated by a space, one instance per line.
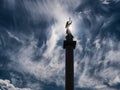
x=68 y=23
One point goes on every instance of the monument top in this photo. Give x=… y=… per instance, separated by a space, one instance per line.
x=68 y=23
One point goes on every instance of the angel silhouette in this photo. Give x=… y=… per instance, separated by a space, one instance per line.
x=68 y=23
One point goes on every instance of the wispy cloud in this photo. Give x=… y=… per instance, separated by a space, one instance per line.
x=97 y=51
x=50 y=67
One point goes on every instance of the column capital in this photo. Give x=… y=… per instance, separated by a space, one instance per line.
x=69 y=42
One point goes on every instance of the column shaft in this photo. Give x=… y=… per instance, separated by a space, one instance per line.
x=69 y=74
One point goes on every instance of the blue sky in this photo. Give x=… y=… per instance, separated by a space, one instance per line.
x=31 y=44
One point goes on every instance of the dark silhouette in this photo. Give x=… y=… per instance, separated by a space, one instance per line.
x=69 y=45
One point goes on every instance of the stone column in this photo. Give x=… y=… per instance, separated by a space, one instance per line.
x=69 y=46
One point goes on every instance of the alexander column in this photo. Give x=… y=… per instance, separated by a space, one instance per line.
x=69 y=46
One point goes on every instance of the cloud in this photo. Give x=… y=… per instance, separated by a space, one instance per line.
x=96 y=53
x=100 y=50
x=13 y=36
x=50 y=65
x=5 y=84
x=11 y=4
x=115 y=81
x=45 y=68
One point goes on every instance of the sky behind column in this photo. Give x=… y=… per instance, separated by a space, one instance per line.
x=31 y=44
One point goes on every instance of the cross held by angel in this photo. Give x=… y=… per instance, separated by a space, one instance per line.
x=68 y=23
